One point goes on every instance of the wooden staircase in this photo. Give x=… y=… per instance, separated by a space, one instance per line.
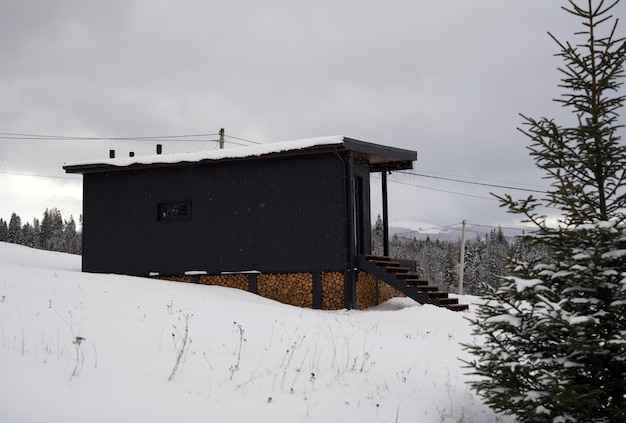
x=409 y=283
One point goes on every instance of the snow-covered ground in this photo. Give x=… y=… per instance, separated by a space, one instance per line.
x=77 y=347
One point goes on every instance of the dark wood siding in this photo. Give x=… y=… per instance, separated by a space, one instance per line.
x=271 y=215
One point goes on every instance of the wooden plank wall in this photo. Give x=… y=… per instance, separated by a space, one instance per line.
x=276 y=216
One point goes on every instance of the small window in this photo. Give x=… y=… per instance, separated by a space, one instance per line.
x=175 y=210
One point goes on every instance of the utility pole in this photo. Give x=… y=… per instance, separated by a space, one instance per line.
x=222 y=139
x=462 y=259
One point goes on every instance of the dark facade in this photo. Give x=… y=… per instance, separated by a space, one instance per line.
x=305 y=209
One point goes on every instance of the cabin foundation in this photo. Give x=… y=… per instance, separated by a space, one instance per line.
x=299 y=289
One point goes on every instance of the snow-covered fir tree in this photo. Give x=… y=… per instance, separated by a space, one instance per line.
x=377 y=237
x=4 y=230
x=71 y=241
x=15 y=229
x=438 y=260
x=552 y=336
x=51 y=234
x=30 y=234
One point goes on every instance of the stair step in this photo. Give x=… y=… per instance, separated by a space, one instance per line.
x=407 y=275
x=384 y=263
x=448 y=301
x=398 y=270
x=438 y=294
x=424 y=288
x=391 y=270
x=457 y=307
x=416 y=281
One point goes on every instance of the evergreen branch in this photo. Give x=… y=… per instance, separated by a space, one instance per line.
x=555 y=329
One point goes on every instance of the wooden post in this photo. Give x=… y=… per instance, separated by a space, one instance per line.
x=317 y=290
x=349 y=271
x=462 y=259
x=222 y=139
x=383 y=177
x=253 y=282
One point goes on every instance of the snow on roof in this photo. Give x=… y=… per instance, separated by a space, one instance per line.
x=239 y=152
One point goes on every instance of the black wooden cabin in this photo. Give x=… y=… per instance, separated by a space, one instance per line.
x=290 y=208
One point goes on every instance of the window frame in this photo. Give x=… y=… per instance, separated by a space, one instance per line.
x=172 y=211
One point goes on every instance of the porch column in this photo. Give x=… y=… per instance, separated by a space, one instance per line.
x=383 y=179
x=350 y=272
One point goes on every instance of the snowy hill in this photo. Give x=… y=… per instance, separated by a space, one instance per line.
x=410 y=229
x=78 y=347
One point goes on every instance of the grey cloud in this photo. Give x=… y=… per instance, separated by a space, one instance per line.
x=445 y=78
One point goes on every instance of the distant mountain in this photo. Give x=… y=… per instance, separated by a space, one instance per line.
x=420 y=230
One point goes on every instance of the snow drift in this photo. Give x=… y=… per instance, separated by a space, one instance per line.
x=78 y=347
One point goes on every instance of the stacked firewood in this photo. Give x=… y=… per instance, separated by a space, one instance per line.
x=332 y=291
x=289 y=288
x=365 y=291
x=297 y=288
x=235 y=280
x=386 y=292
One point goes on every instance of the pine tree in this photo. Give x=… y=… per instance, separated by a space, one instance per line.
x=44 y=230
x=36 y=233
x=71 y=238
x=377 y=237
x=15 y=229
x=30 y=234
x=450 y=267
x=554 y=333
x=51 y=233
x=4 y=230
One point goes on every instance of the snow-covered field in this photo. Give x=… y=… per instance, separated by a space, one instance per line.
x=78 y=347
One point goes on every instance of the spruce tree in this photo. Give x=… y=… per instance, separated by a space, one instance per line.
x=4 y=230
x=44 y=231
x=553 y=335
x=29 y=235
x=15 y=229
x=71 y=238
x=377 y=237
x=51 y=232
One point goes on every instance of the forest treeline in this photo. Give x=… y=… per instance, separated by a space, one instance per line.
x=50 y=233
x=438 y=261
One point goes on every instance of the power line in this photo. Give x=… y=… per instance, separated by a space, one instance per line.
x=40 y=176
x=241 y=139
x=162 y=138
x=478 y=178
x=184 y=138
x=499 y=227
x=473 y=183
x=238 y=143
x=8 y=135
x=443 y=190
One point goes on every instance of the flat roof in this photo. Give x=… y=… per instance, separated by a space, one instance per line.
x=379 y=156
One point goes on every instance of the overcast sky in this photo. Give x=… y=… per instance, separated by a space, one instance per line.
x=445 y=78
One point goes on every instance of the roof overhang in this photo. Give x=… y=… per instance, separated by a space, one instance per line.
x=380 y=157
